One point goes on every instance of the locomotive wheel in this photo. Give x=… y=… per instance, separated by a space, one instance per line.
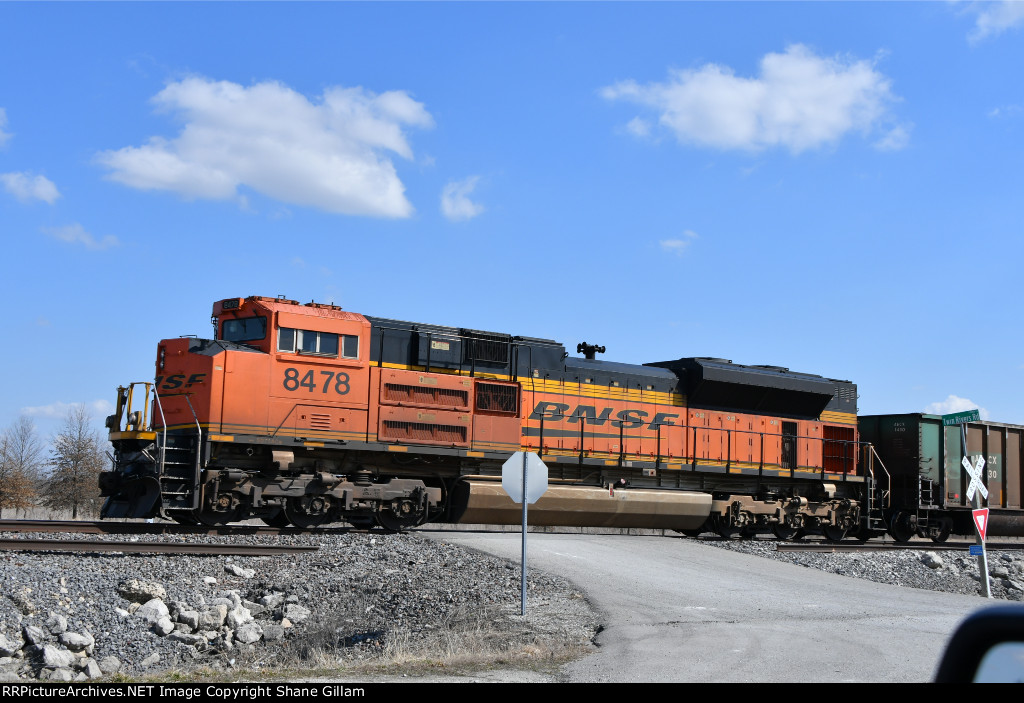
x=399 y=516
x=863 y=535
x=277 y=519
x=833 y=533
x=723 y=527
x=307 y=512
x=786 y=533
x=900 y=534
x=900 y=530
x=748 y=532
x=943 y=533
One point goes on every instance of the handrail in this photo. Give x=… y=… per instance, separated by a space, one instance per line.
x=163 y=420
x=693 y=459
x=162 y=444
x=199 y=451
x=888 y=476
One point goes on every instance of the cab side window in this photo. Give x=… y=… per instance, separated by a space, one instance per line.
x=286 y=340
x=295 y=341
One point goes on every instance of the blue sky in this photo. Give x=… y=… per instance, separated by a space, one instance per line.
x=831 y=187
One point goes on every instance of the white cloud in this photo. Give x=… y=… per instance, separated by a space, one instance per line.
x=639 y=127
x=995 y=18
x=76 y=234
x=25 y=187
x=800 y=101
x=1005 y=111
x=678 y=246
x=894 y=140
x=330 y=154
x=455 y=202
x=955 y=404
x=59 y=410
x=4 y=136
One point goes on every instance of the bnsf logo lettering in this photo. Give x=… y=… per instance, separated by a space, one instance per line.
x=178 y=380
x=588 y=413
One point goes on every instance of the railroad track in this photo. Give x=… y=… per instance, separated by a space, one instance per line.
x=827 y=547
x=149 y=528
x=105 y=527
x=92 y=546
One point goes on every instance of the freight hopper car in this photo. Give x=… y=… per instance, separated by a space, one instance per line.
x=306 y=414
x=922 y=464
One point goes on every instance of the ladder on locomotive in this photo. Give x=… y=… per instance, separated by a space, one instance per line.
x=178 y=465
x=177 y=473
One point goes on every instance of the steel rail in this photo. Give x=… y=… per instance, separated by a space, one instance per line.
x=103 y=527
x=72 y=545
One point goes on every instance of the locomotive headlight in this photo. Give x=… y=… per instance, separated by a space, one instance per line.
x=163 y=353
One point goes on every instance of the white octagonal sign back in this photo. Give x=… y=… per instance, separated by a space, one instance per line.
x=536 y=477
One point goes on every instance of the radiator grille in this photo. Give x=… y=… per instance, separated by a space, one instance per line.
x=839 y=449
x=485 y=346
x=497 y=399
x=422 y=395
x=423 y=432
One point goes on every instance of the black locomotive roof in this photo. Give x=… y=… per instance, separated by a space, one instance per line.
x=706 y=382
x=591 y=366
x=768 y=389
x=399 y=341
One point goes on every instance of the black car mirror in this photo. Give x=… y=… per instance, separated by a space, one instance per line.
x=987 y=647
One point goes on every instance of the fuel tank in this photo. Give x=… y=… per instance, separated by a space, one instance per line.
x=485 y=502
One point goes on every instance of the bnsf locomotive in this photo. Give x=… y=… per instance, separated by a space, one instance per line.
x=309 y=414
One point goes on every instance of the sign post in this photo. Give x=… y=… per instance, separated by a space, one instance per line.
x=975 y=491
x=525 y=478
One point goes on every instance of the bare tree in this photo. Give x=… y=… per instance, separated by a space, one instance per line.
x=21 y=465
x=75 y=464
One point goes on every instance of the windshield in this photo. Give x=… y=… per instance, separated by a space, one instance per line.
x=244 y=329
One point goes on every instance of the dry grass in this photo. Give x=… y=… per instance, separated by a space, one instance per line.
x=465 y=640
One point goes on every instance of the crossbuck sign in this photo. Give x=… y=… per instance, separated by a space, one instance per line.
x=975 y=474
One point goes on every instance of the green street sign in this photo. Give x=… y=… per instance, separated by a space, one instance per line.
x=961 y=418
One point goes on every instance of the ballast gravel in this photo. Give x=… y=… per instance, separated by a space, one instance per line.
x=933 y=569
x=350 y=601
x=87 y=616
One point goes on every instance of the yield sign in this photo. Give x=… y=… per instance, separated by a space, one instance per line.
x=981 y=521
x=975 y=474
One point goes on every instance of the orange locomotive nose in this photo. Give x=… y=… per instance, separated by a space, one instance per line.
x=185 y=382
